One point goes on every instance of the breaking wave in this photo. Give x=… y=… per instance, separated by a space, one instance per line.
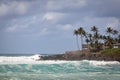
x=12 y=59
x=101 y=63
x=30 y=68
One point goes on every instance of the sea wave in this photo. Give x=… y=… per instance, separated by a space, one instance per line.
x=35 y=59
x=104 y=62
x=101 y=63
x=27 y=68
x=19 y=58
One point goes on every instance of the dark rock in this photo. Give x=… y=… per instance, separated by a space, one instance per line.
x=77 y=55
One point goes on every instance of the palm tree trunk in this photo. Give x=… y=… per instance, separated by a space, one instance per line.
x=77 y=42
x=81 y=44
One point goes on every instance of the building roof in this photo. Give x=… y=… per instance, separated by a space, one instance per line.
x=117 y=44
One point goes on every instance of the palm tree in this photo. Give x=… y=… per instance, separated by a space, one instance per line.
x=101 y=41
x=119 y=38
x=76 y=33
x=115 y=32
x=109 y=42
x=104 y=39
x=109 y=30
x=95 y=37
x=90 y=40
x=109 y=38
x=94 y=29
x=82 y=33
x=90 y=36
x=101 y=37
x=87 y=41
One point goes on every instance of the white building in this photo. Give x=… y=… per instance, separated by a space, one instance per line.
x=116 y=45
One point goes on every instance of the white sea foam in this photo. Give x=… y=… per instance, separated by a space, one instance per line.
x=103 y=63
x=35 y=60
x=11 y=59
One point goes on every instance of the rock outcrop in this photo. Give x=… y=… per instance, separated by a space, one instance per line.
x=78 y=55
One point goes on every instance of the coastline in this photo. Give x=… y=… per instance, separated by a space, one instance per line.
x=78 y=55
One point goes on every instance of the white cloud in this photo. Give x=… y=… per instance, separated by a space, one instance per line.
x=65 y=27
x=13 y=7
x=49 y=16
x=61 y=4
x=31 y=25
x=22 y=24
x=11 y=29
x=52 y=16
x=3 y=9
x=21 y=8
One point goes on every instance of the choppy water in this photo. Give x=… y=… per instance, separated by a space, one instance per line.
x=58 y=70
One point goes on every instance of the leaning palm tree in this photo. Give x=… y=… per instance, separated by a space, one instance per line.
x=82 y=33
x=76 y=33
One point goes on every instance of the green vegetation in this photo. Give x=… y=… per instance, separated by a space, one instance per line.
x=96 y=41
x=111 y=51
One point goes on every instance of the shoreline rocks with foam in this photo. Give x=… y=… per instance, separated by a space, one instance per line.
x=78 y=55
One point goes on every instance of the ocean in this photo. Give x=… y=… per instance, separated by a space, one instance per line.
x=27 y=67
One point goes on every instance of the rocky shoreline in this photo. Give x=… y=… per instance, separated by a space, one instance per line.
x=78 y=55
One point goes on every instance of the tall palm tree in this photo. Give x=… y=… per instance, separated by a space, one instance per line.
x=82 y=33
x=95 y=30
x=95 y=37
x=87 y=41
x=76 y=33
x=109 y=38
x=90 y=39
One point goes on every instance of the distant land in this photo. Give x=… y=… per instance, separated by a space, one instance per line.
x=86 y=55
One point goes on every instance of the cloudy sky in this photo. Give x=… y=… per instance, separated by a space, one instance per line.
x=46 y=26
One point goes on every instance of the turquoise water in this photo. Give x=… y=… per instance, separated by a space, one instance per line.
x=61 y=70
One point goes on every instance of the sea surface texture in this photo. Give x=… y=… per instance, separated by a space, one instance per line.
x=28 y=68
